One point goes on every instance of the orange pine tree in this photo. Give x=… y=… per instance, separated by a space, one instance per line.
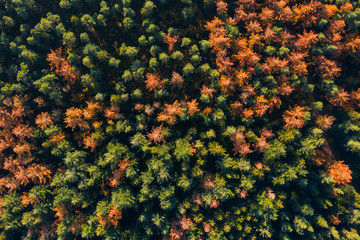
x=340 y=172
x=74 y=119
x=241 y=147
x=55 y=58
x=155 y=135
x=294 y=118
x=324 y=122
x=66 y=72
x=91 y=109
x=43 y=120
x=23 y=131
x=153 y=81
x=171 y=40
x=340 y=99
x=221 y=7
x=207 y=91
x=170 y=113
x=177 y=80
x=117 y=179
x=262 y=105
x=61 y=65
x=114 y=216
x=89 y=142
x=192 y=107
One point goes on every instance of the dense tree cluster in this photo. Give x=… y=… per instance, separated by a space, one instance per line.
x=209 y=119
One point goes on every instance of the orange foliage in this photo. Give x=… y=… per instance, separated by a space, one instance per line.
x=328 y=68
x=354 y=44
x=26 y=200
x=261 y=106
x=89 y=142
x=74 y=119
x=293 y=118
x=23 y=131
x=21 y=149
x=331 y=9
x=270 y=194
x=192 y=107
x=269 y=35
x=226 y=84
x=10 y=164
x=305 y=14
x=340 y=172
x=305 y=40
x=21 y=176
x=178 y=226
x=61 y=211
x=155 y=135
x=324 y=122
x=207 y=91
x=242 y=77
x=91 y=110
x=254 y=26
x=208 y=181
x=236 y=108
x=40 y=101
x=206 y=227
x=214 y=203
x=261 y=143
x=114 y=216
x=259 y=165
x=153 y=81
x=285 y=89
x=3 y=145
x=284 y=12
x=66 y=72
x=171 y=41
x=340 y=99
x=207 y=111
x=346 y=7
x=248 y=113
x=275 y=64
x=224 y=64
x=55 y=58
x=213 y=24
x=243 y=194
x=218 y=38
x=221 y=7
x=112 y=113
x=57 y=138
x=266 y=15
x=241 y=147
x=43 y=120
x=38 y=174
x=286 y=38
x=61 y=65
x=355 y=97
x=192 y=148
x=177 y=80
x=117 y=179
x=185 y=223
x=334 y=220
x=170 y=113
x=16 y=133
x=196 y=198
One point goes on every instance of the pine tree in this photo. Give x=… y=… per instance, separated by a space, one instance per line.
x=153 y=81
x=340 y=172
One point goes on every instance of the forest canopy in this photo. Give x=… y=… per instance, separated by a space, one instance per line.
x=164 y=119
